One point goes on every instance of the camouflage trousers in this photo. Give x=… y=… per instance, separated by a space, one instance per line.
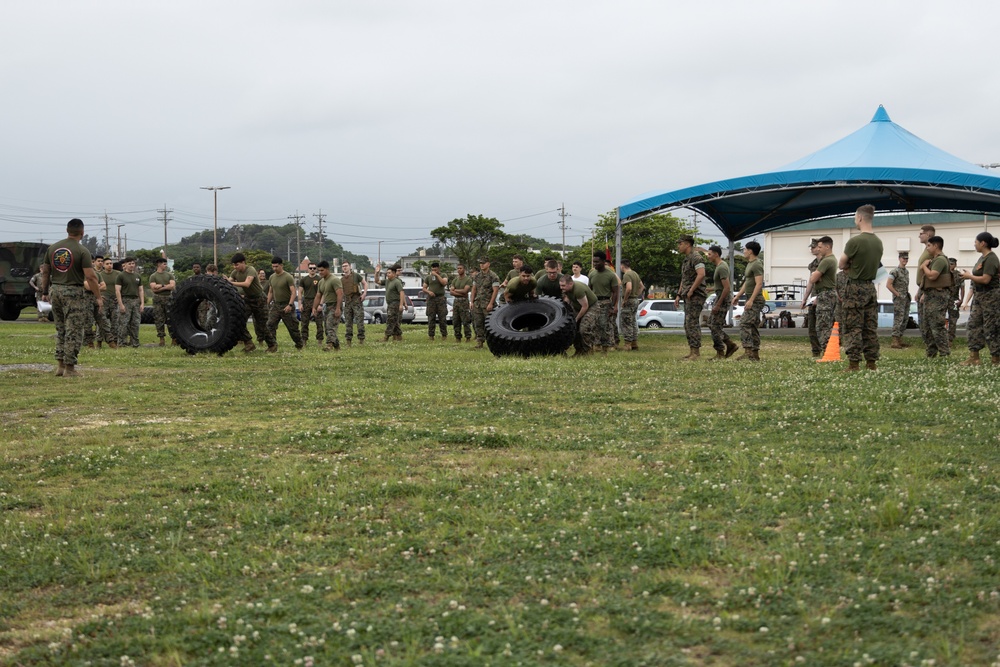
x=437 y=312
x=393 y=318
x=479 y=316
x=716 y=324
x=984 y=322
x=308 y=317
x=826 y=307
x=354 y=313
x=587 y=333
x=161 y=313
x=900 y=314
x=750 y=324
x=811 y=325
x=258 y=311
x=332 y=324
x=936 y=338
x=69 y=310
x=692 y=320
x=93 y=320
x=277 y=314
x=110 y=320
x=859 y=323
x=630 y=330
x=605 y=323
x=461 y=317
x=952 y=319
x=128 y=321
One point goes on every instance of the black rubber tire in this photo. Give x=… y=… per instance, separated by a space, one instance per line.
x=231 y=314
x=654 y=324
x=378 y=318
x=146 y=315
x=10 y=312
x=537 y=327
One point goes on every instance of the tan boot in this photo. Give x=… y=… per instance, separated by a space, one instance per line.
x=248 y=346
x=479 y=344
x=272 y=348
x=853 y=366
x=902 y=341
x=635 y=345
x=173 y=342
x=973 y=359
x=995 y=359
x=90 y=345
x=693 y=355
x=754 y=355
x=113 y=345
x=61 y=370
x=731 y=348
x=897 y=344
x=746 y=356
x=71 y=372
x=398 y=338
x=871 y=365
x=162 y=342
x=719 y=356
x=386 y=339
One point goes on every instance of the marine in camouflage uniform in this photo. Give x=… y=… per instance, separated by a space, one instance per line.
x=694 y=293
x=437 y=303
x=936 y=293
x=899 y=281
x=355 y=290
x=93 y=313
x=395 y=299
x=307 y=294
x=329 y=301
x=984 y=321
x=485 y=287
x=632 y=289
x=811 y=309
x=282 y=295
x=605 y=286
x=859 y=324
x=255 y=299
x=109 y=312
x=957 y=294
x=66 y=268
x=825 y=289
x=576 y=295
x=161 y=284
x=130 y=297
x=461 y=312
x=721 y=342
x=749 y=323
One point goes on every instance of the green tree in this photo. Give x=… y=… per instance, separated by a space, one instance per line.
x=650 y=244
x=468 y=238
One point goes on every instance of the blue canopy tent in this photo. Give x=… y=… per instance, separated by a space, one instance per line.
x=880 y=164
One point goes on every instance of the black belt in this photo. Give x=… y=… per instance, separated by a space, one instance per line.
x=984 y=288
x=604 y=298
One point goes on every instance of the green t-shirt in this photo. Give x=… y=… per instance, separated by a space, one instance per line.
x=754 y=269
x=828 y=281
x=461 y=283
x=255 y=289
x=721 y=273
x=578 y=292
x=940 y=264
x=520 y=290
x=328 y=288
x=602 y=282
x=988 y=265
x=110 y=279
x=67 y=259
x=434 y=284
x=393 y=290
x=513 y=273
x=865 y=254
x=282 y=287
x=160 y=279
x=130 y=284
x=548 y=287
x=924 y=256
x=308 y=285
x=630 y=277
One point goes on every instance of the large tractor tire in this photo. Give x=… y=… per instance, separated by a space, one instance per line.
x=542 y=326
x=206 y=314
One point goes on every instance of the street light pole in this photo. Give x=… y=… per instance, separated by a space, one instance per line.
x=215 y=222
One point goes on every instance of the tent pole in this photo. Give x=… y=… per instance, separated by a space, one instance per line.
x=618 y=258
x=732 y=280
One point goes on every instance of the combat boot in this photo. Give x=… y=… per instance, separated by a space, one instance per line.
x=61 y=370
x=173 y=342
x=71 y=372
x=163 y=342
x=694 y=355
x=731 y=348
x=479 y=344
x=871 y=365
x=995 y=359
x=853 y=366
x=720 y=355
x=754 y=355
x=635 y=345
x=248 y=346
x=99 y=344
x=897 y=343
x=113 y=345
x=386 y=339
x=973 y=359
x=90 y=345
x=399 y=338
x=272 y=348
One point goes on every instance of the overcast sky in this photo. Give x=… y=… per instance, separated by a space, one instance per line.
x=394 y=117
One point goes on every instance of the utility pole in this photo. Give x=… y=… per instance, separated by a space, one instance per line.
x=215 y=220
x=380 y=253
x=319 y=217
x=164 y=211
x=298 y=247
x=563 y=214
x=120 y=253
x=107 y=235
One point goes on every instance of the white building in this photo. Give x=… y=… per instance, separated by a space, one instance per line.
x=786 y=251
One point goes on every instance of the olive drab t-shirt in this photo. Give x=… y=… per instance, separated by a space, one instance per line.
x=434 y=284
x=924 y=256
x=630 y=277
x=160 y=279
x=602 y=282
x=939 y=264
x=255 y=289
x=578 y=292
x=130 y=283
x=282 y=287
x=308 y=285
x=544 y=286
x=988 y=264
x=721 y=274
x=828 y=281
x=110 y=280
x=865 y=254
x=393 y=290
x=513 y=273
x=519 y=290
x=460 y=283
x=67 y=259
x=754 y=269
x=328 y=288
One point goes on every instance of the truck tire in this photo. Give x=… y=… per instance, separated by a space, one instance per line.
x=9 y=311
x=206 y=314
x=537 y=327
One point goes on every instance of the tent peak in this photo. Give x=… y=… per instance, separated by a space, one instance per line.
x=881 y=115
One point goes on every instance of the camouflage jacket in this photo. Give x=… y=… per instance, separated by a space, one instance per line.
x=483 y=284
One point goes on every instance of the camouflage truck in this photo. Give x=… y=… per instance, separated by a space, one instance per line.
x=18 y=262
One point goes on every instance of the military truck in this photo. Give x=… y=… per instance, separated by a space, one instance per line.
x=18 y=262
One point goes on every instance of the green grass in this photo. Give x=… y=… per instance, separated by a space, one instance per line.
x=428 y=504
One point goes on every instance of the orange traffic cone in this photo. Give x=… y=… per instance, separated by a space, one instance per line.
x=832 y=346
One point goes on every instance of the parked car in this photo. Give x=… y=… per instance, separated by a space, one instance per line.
x=710 y=303
x=659 y=313
x=420 y=310
x=374 y=304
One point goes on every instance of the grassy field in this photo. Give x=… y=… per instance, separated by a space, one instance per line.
x=428 y=504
